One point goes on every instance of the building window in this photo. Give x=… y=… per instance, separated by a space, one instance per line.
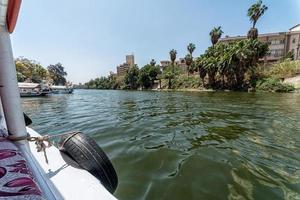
x=277 y=52
x=294 y=40
x=274 y=42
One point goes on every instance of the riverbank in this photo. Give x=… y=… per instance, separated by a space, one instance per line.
x=279 y=77
x=185 y=90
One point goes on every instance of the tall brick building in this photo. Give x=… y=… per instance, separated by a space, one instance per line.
x=121 y=69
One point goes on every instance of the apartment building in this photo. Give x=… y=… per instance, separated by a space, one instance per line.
x=280 y=43
x=121 y=69
x=130 y=59
x=180 y=63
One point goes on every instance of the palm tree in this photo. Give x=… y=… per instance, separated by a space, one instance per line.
x=169 y=71
x=191 y=48
x=202 y=74
x=254 y=13
x=188 y=61
x=173 y=54
x=215 y=35
x=202 y=71
x=189 y=57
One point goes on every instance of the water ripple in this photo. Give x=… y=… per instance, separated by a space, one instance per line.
x=215 y=145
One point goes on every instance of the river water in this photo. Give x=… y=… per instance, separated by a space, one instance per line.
x=186 y=145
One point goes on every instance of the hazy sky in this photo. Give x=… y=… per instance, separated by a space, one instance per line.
x=91 y=37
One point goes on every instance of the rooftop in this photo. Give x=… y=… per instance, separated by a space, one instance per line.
x=28 y=85
x=295 y=28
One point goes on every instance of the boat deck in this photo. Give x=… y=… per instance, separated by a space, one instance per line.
x=16 y=181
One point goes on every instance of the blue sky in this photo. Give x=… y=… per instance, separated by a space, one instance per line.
x=91 y=37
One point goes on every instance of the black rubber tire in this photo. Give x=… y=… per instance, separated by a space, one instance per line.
x=89 y=156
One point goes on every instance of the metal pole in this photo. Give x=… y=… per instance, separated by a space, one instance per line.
x=9 y=90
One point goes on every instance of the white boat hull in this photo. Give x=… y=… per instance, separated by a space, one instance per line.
x=71 y=183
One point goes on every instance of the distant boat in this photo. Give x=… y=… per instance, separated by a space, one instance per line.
x=32 y=89
x=60 y=89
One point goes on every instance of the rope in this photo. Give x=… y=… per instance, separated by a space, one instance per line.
x=43 y=142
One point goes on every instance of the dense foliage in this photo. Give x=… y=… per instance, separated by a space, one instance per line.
x=187 y=82
x=285 y=69
x=170 y=73
x=131 y=78
x=273 y=85
x=30 y=69
x=57 y=74
x=134 y=78
x=147 y=75
x=102 y=83
x=227 y=64
x=33 y=71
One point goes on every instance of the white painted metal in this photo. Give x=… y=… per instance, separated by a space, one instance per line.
x=72 y=183
x=9 y=90
x=3 y=9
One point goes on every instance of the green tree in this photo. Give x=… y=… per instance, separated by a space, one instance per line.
x=144 y=78
x=30 y=69
x=169 y=73
x=254 y=13
x=57 y=74
x=102 y=83
x=131 y=78
x=148 y=74
x=90 y=84
x=114 y=84
x=230 y=63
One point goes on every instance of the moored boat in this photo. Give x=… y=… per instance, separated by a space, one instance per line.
x=60 y=89
x=32 y=89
